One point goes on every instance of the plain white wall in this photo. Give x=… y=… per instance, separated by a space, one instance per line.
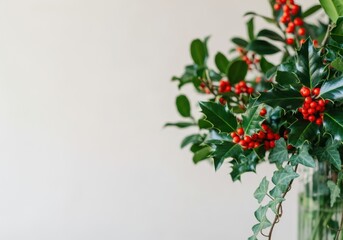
x=84 y=91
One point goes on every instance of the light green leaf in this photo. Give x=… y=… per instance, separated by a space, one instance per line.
x=273 y=205
x=333 y=8
x=330 y=153
x=335 y=192
x=303 y=157
x=281 y=179
x=262 y=190
x=202 y=154
x=279 y=153
x=338 y=64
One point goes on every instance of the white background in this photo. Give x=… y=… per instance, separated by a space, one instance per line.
x=84 y=92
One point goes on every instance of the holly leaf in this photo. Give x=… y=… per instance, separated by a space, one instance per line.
x=279 y=153
x=252 y=118
x=335 y=192
x=198 y=52
x=309 y=65
x=262 y=190
x=183 y=106
x=221 y=118
x=333 y=124
x=222 y=62
x=237 y=71
x=332 y=89
x=286 y=78
x=288 y=99
x=303 y=157
x=330 y=153
x=223 y=151
x=302 y=131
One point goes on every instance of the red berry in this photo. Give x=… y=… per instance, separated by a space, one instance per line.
x=289 y=147
x=277 y=7
x=236 y=139
x=250 y=90
x=285 y=8
x=222 y=101
x=295 y=9
x=311 y=111
x=261 y=135
x=263 y=112
x=270 y=136
x=312 y=118
x=233 y=134
x=313 y=104
x=266 y=144
x=247 y=139
x=276 y=136
x=272 y=144
x=298 y=21
x=243 y=143
x=319 y=121
x=305 y=92
x=265 y=127
x=251 y=145
x=308 y=100
x=321 y=102
x=315 y=43
x=289 y=30
x=302 y=41
x=290 y=41
x=256 y=145
x=316 y=91
x=301 y=31
x=240 y=131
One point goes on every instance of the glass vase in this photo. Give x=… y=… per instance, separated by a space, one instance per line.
x=317 y=220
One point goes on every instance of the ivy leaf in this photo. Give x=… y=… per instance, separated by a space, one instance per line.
x=275 y=203
x=330 y=152
x=222 y=62
x=250 y=27
x=337 y=64
x=287 y=99
x=302 y=131
x=180 y=124
x=335 y=192
x=310 y=68
x=221 y=118
x=279 y=153
x=303 y=157
x=183 y=106
x=202 y=154
x=311 y=11
x=237 y=71
x=271 y=35
x=223 y=151
x=198 y=52
x=281 y=179
x=262 y=190
x=194 y=138
x=252 y=118
x=332 y=89
x=240 y=42
x=261 y=216
x=333 y=123
x=244 y=164
x=262 y=47
x=333 y=8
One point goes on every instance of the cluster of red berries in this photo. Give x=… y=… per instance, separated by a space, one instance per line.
x=242 y=87
x=266 y=136
x=293 y=23
x=312 y=108
x=249 y=60
x=224 y=86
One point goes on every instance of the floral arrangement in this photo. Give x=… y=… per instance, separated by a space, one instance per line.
x=289 y=113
